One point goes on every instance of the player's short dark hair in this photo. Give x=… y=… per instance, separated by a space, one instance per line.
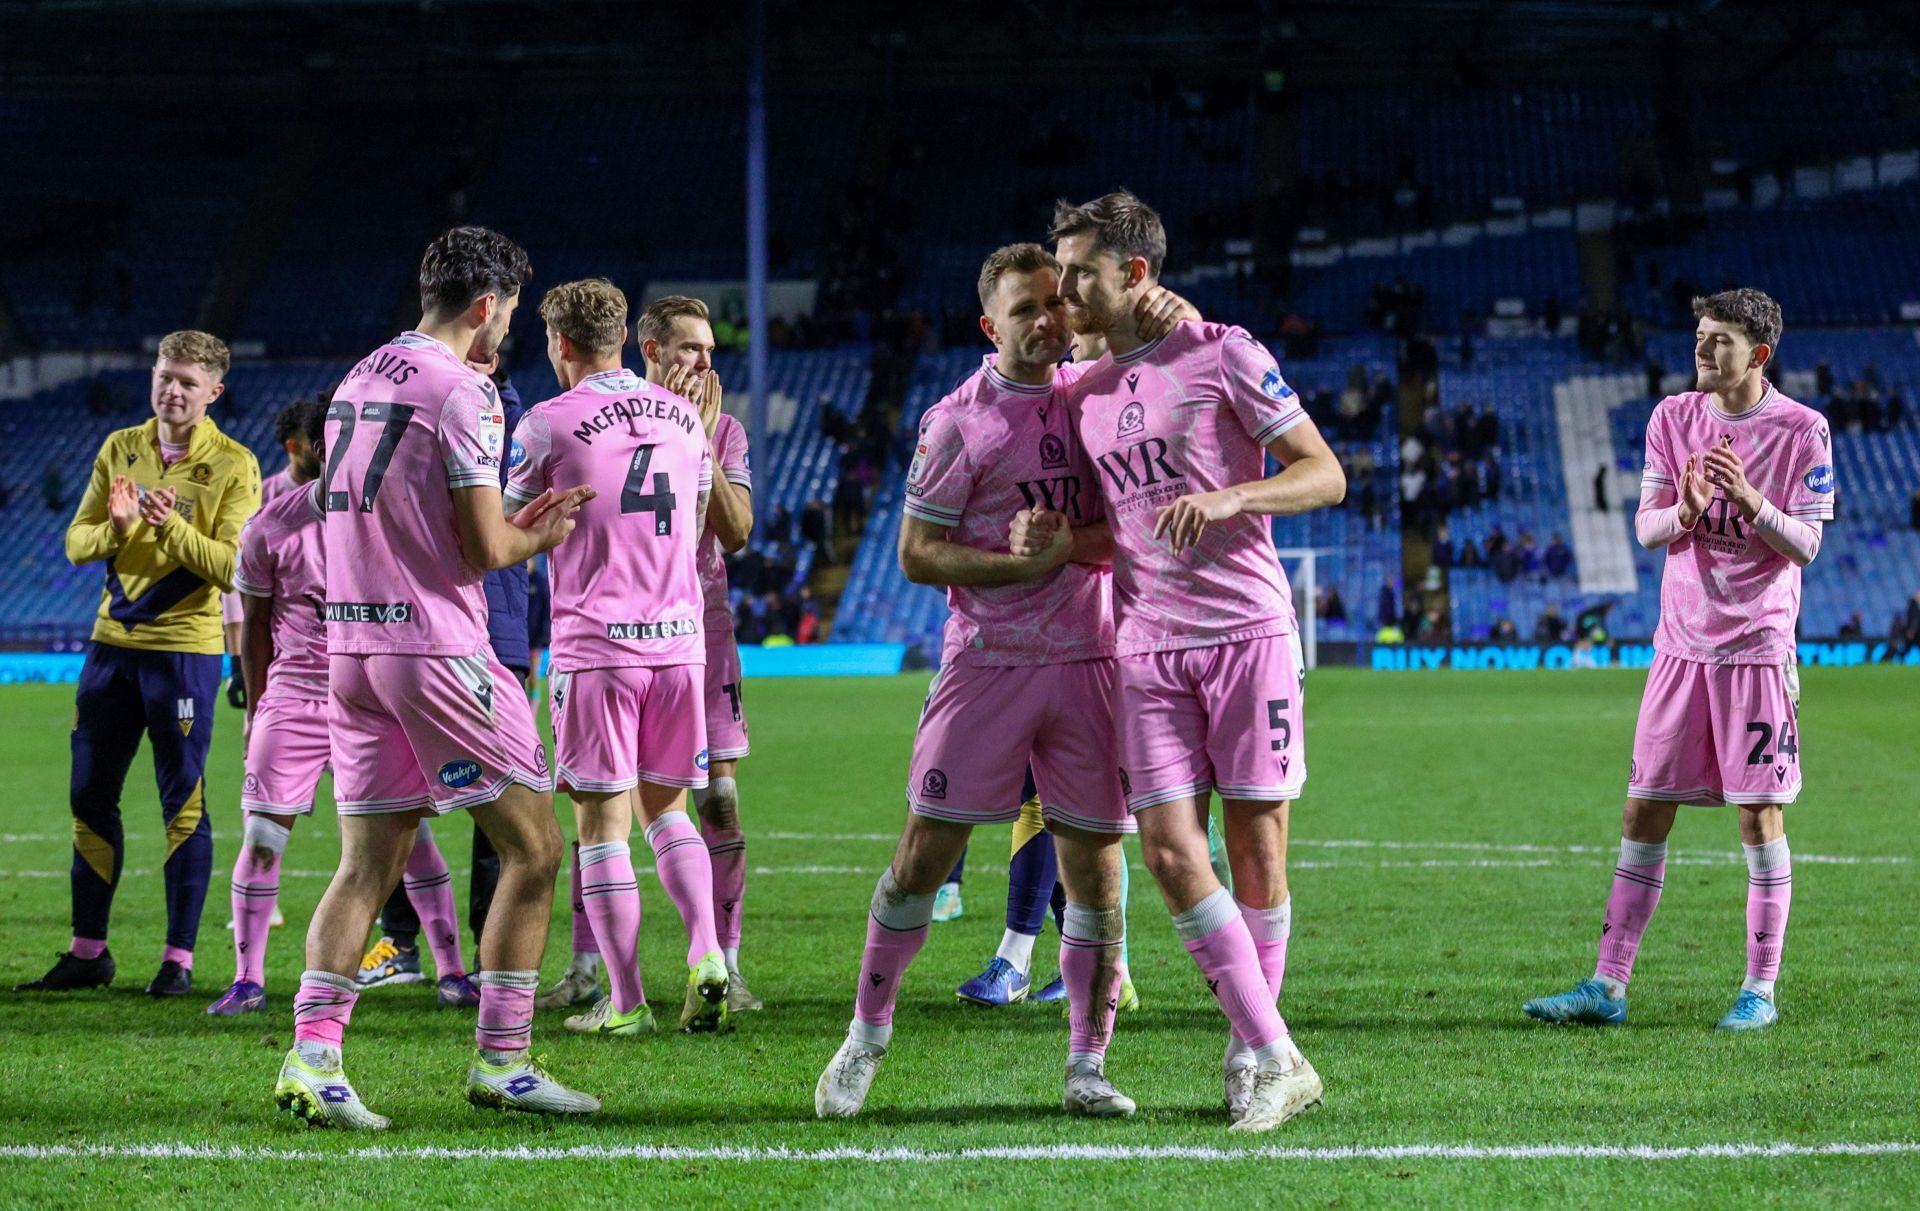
x=314 y=424
x=1014 y=258
x=1121 y=224
x=1752 y=311
x=467 y=262
x=292 y=420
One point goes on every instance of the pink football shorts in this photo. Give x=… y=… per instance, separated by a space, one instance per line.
x=982 y=727
x=726 y=714
x=614 y=728
x=446 y=732
x=1711 y=734
x=287 y=751
x=1225 y=717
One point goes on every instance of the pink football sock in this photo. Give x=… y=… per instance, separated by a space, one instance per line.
x=1090 y=941
x=256 y=889
x=1637 y=880
x=680 y=857
x=897 y=923
x=429 y=887
x=322 y=1008
x=1216 y=936
x=611 y=895
x=1769 y=895
x=727 y=850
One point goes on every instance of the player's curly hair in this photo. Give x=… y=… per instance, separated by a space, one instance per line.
x=1121 y=224
x=1013 y=258
x=656 y=321
x=1752 y=311
x=204 y=348
x=291 y=421
x=467 y=262
x=592 y=313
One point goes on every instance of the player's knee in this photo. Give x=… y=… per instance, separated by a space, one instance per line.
x=1169 y=860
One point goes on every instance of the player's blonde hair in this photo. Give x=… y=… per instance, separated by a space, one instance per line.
x=204 y=348
x=1012 y=258
x=656 y=321
x=591 y=313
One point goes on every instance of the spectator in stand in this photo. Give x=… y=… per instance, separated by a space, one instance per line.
x=815 y=526
x=1442 y=553
x=1600 y=501
x=1490 y=477
x=809 y=629
x=1496 y=542
x=1854 y=627
x=1434 y=628
x=773 y=613
x=750 y=620
x=1384 y=611
x=1529 y=554
x=1909 y=629
x=780 y=525
x=1822 y=380
x=1656 y=378
x=1505 y=632
x=1896 y=417
x=1559 y=558
x=1470 y=556
x=1551 y=628
x=53 y=489
x=1913 y=510
x=1507 y=565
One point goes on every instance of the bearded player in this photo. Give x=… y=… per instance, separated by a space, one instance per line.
x=423 y=719
x=1026 y=677
x=1738 y=484
x=1209 y=676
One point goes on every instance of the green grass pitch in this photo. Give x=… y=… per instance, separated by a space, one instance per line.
x=1451 y=857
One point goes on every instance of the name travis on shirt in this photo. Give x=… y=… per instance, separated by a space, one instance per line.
x=652 y=630
x=634 y=408
x=383 y=612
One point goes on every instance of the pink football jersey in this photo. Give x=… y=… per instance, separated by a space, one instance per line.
x=1726 y=597
x=410 y=425
x=283 y=559
x=1191 y=412
x=990 y=449
x=730 y=441
x=626 y=582
x=276 y=485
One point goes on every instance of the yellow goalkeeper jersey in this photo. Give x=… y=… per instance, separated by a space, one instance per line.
x=163 y=586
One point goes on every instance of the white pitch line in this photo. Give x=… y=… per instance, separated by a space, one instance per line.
x=1680 y=856
x=1063 y=1152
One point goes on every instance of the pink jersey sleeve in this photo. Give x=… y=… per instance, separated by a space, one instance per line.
x=733 y=453
x=531 y=473
x=1251 y=383
x=473 y=437
x=1811 y=496
x=706 y=469
x=253 y=574
x=1660 y=467
x=941 y=477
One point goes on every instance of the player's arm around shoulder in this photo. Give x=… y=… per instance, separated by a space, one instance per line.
x=107 y=512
